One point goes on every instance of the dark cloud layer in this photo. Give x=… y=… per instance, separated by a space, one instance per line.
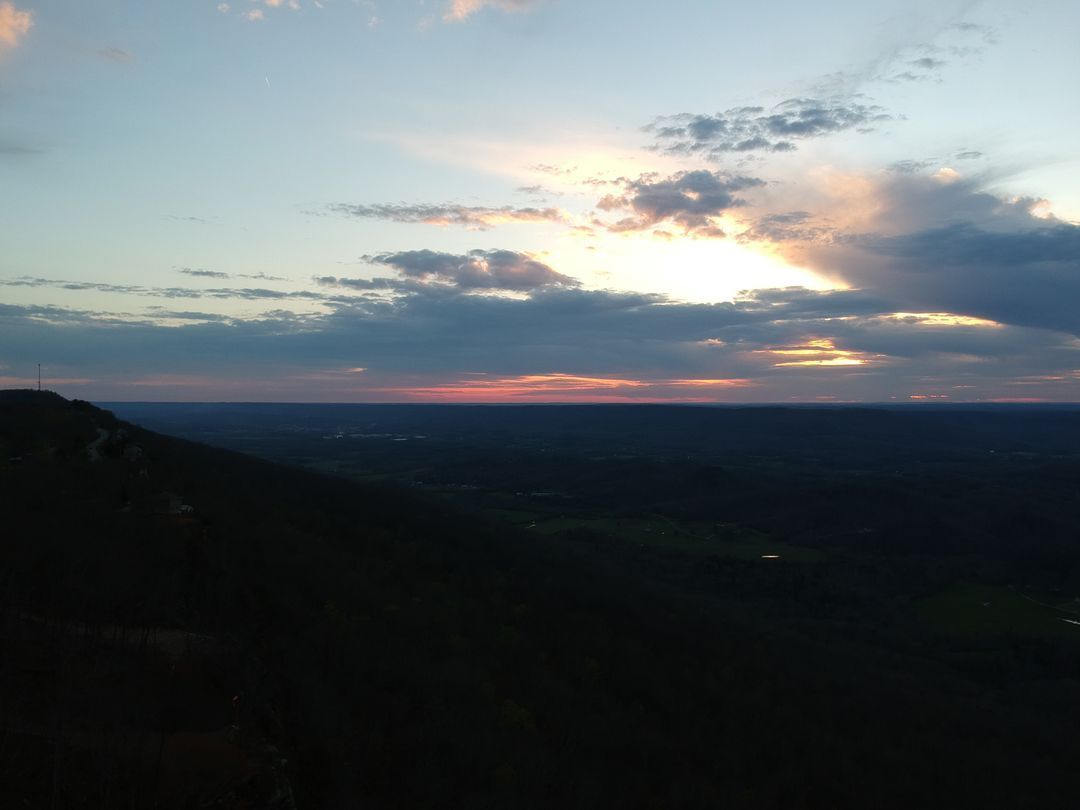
x=756 y=129
x=1029 y=276
x=946 y=244
x=780 y=343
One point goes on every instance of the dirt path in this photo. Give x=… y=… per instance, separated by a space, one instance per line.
x=94 y=448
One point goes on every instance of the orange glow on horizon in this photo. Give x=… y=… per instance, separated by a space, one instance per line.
x=46 y=381
x=714 y=383
x=563 y=387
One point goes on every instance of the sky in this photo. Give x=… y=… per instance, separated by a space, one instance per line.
x=541 y=200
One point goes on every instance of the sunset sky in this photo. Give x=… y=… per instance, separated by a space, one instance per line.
x=541 y=200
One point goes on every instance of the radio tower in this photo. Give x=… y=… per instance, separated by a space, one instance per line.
x=39 y=376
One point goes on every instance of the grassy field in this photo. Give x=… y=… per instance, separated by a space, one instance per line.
x=969 y=609
x=545 y=516
x=656 y=530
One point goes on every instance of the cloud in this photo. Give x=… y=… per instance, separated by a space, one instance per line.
x=910 y=166
x=478 y=218
x=928 y=63
x=478 y=269
x=260 y=276
x=916 y=50
x=941 y=242
x=789 y=226
x=755 y=129
x=554 y=343
x=693 y=200
x=1028 y=275
x=114 y=54
x=161 y=313
x=458 y=10
x=979 y=37
x=220 y=293
x=14 y=24
x=187 y=271
x=922 y=69
x=538 y=191
x=16 y=149
x=454 y=10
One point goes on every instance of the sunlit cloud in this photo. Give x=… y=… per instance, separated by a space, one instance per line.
x=14 y=24
x=943 y=319
x=458 y=10
x=816 y=352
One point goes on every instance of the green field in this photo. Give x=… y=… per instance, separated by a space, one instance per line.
x=972 y=610
x=656 y=530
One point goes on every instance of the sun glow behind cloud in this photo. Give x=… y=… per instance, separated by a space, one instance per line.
x=570 y=173
x=817 y=352
x=697 y=270
x=575 y=162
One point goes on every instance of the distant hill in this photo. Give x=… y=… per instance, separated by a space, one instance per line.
x=835 y=435
x=183 y=626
